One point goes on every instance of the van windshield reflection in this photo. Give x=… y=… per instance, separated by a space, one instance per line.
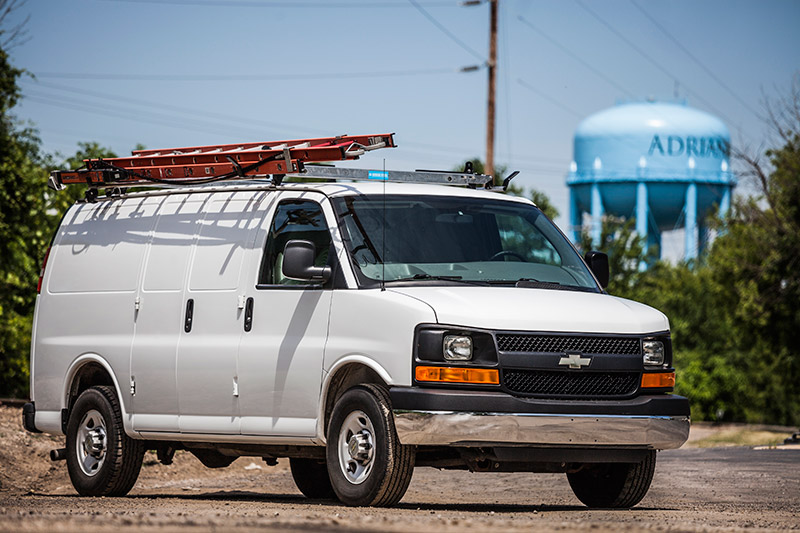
x=446 y=240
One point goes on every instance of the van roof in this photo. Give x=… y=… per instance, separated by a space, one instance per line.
x=337 y=189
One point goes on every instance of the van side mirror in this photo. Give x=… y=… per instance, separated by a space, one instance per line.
x=298 y=262
x=598 y=264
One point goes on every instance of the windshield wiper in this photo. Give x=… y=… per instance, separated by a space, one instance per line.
x=515 y=281
x=533 y=283
x=427 y=277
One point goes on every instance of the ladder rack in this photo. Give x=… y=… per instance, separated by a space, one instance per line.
x=195 y=165
x=203 y=164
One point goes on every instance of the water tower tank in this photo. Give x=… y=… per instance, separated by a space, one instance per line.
x=665 y=164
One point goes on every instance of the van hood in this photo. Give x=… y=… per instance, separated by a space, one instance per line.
x=529 y=309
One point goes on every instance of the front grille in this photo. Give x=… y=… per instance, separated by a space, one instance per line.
x=514 y=342
x=576 y=384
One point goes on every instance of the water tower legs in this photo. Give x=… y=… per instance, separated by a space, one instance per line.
x=642 y=209
x=654 y=241
x=597 y=214
x=725 y=204
x=690 y=208
x=575 y=217
x=702 y=237
x=642 y=215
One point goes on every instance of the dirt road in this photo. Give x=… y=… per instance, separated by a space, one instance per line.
x=695 y=489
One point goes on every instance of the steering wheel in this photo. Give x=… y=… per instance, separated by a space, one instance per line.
x=505 y=253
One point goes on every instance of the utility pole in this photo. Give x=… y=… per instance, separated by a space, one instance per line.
x=492 y=65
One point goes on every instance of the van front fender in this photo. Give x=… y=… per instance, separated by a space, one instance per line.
x=355 y=361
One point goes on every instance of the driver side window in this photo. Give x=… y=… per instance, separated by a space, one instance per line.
x=294 y=220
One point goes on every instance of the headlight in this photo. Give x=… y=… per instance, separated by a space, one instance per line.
x=653 y=353
x=457 y=348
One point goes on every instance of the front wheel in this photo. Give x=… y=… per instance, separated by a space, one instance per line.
x=367 y=464
x=614 y=485
x=101 y=459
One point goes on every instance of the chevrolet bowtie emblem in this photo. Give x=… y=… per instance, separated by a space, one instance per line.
x=574 y=360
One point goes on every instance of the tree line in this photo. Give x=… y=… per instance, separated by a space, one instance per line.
x=735 y=311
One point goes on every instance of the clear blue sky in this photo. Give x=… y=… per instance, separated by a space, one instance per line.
x=187 y=72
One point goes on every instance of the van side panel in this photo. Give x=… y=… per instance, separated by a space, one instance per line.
x=86 y=306
x=159 y=321
x=280 y=358
x=207 y=371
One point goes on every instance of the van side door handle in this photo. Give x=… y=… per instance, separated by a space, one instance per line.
x=248 y=314
x=187 y=324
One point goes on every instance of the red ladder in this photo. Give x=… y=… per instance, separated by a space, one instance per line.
x=199 y=164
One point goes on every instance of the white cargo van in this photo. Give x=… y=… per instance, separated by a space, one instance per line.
x=358 y=329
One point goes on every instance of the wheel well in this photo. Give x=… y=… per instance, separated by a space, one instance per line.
x=87 y=376
x=345 y=378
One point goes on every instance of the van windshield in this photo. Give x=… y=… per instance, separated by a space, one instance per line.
x=443 y=239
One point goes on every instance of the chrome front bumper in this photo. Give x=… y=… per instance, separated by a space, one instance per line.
x=456 y=428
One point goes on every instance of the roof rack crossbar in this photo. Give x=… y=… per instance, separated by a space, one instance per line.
x=419 y=176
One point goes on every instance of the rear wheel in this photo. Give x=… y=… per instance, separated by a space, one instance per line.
x=614 y=485
x=367 y=464
x=101 y=459
x=311 y=477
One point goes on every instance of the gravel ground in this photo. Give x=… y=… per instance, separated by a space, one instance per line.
x=695 y=489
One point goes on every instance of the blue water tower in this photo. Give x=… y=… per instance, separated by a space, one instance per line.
x=663 y=163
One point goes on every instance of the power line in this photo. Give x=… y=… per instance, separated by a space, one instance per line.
x=576 y=57
x=648 y=57
x=460 y=151
x=549 y=98
x=239 y=125
x=695 y=59
x=283 y=5
x=463 y=152
x=447 y=32
x=150 y=117
x=210 y=127
x=243 y=126
x=241 y=77
x=618 y=138
x=167 y=107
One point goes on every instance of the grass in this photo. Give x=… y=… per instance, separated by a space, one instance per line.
x=743 y=437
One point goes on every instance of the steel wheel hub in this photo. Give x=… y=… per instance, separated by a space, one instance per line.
x=356 y=447
x=91 y=442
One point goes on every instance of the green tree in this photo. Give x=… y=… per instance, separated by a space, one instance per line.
x=499 y=173
x=626 y=252
x=757 y=260
x=710 y=368
x=735 y=313
x=60 y=201
x=29 y=214
x=24 y=232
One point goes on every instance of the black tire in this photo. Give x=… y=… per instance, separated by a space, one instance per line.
x=614 y=485
x=380 y=475
x=107 y=462
x=311 y=477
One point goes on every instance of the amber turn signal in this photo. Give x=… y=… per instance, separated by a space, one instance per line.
x=481 y=376
x=660 y=380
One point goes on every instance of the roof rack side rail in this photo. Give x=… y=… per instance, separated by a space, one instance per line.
x=419 y=176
